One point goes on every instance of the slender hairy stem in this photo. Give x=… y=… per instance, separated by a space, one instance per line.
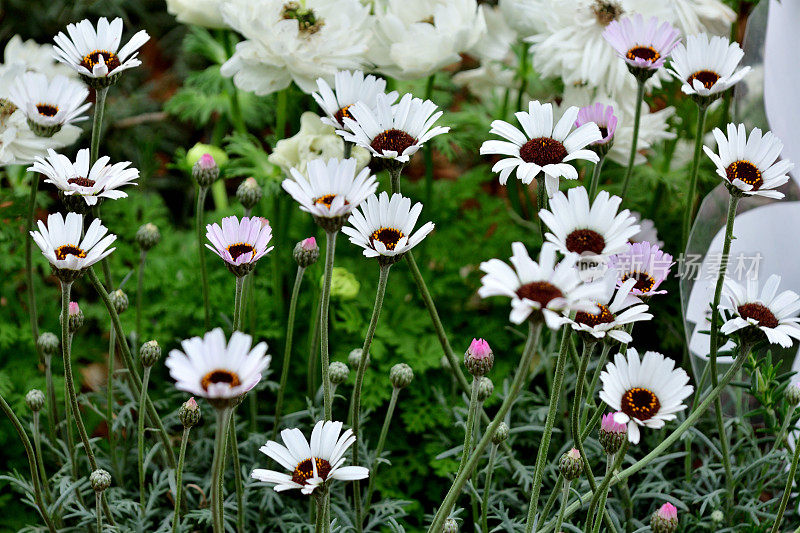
x=52 y=407
x=220 y=439
x=520 y=378
x=601 y=493
x=139 y=291
x=320 y=518
x=112 y=437
x=487 y=488
x=601 y=363
x=97 y=122
x=627 y=504
x=544 y=444
x=237 y=473
x=237 y=303
x=37 y=446
x=787 y=490
x=287 y=349
x=98 y=498
x=140 y=432
x=564 y=501
x=470 y=427
x=688 y=213
x=637 y=115
x=330 y=249
x=313 y=341
x=598 y=167
x=379 y=449
x=201 y=201
x=176 y=519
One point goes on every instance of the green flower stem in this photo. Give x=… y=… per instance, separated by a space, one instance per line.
x=348 y=149
x=139 y=291
x=217 y=468
x=598 y=167
x=29 y=451
x=637 y=115
x=782 y=432
x=97 y=122
x=237 y=473
x=487 y=488
x=627 y=504
x=287 y=349
x=788 y=489
x=520 y=378
x=136 y=383
x=355 y=401
x=176 y=519
x=541 y=201
x=313 y=341
x=395 y=171
x=601 y=363
x=112 y=439
x=544 y=444
x=52 y=407
x=470 y=427
x=237 y=303
x=600 y=494
x=688 y=213
x=104 y=262
x=37 y=446
x=379 y=449
x=320 y=514
x=140 y=434
x=564 y=501
x=201 y=200
x=330 y=250
x=70 y=439
x=98 y=498
x=280 y=114
x=551 y=500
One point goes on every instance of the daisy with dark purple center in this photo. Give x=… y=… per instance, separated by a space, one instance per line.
x=240 y=243
x=644 y=46
x=49 y=104
x=768 y=314
x=644 y=262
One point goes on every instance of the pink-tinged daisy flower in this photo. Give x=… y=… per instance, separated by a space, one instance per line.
x=644 y=46
x=310 y=466
x=604 y=117
x=240 y=243
x=540 y=147
x=766 y=314
x=349 y=88
x=707 y=66
x=645 y=263
x=616 y=310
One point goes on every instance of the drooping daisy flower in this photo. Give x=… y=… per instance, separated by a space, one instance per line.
x=350 y=87
x=615 y=311
x=81 y=186
x=240 y=243
x=311 y=466
x=95 y=52
x=707 y=67
x=769 y=314
x=331 y=190
x=384 y=226
x=539 y=291
x=644 y=46
x=644 y=392
x=606 y=121
x=588 y=230
x=393 y=131
x=216 y=369
x=70 y=253
x=748 y=164
x=540 y=147
x=644 y=262
x=49 y=104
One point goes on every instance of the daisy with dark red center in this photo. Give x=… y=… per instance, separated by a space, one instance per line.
x=643 y=45
x=540 y=147
x=310 y=466
x=589 y=230
x=240 y=243
x=349 y=88
x=644 y=262
x=616 y=310
x=392 y=131
x=546 y=290
x=707 y=67
x=644 y=392
x=49 y=104
x=749 y=165
x=767 y=314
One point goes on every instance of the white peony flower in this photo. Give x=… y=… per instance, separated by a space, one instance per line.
x=197 y=12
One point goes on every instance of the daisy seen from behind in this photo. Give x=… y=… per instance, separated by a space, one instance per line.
x=617 y=308
x=49 y=104
x=646 y=263
x=707 y=67
x=349 y=88
x=643 y=45
x=240 y=243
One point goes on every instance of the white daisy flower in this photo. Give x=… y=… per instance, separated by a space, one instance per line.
x=770 y=313
x=384 y=226
x=216 y=369
x=48 y=104
x=588 y=230
x=646 y=392
x=310 y=466
x=748 y=164
x=332 y=189
x=240 y=243
x=89 y=185
x=350 y=87
x=707 y=67
x=69 y=251
x=30 y=56
x=95 y=52
x=615 y=311
x=544 y=290
x=540 y=147
x=393 y=131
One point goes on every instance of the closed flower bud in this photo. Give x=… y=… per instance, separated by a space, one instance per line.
x=485 y=389
x=205 y=172
x=717 y=516
x=48 y=343
x=665 y=520
x=793 y=393
x=479 y=358
x=249 y=193
x=149 y=353
x=100 y=480
x=35 y=400
x=75 y=317
x=338 y=372
x=355 y=358
x=401 y=375
x=189 y=413
x=306 y=252
x=450 y=526
x=147 y=236
x=119 y=300
x=612 y=434
x=501 y=433
x=570 y=465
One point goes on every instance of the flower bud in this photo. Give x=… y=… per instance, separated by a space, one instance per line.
x=501 y=433
x=665 y=520
x=75 y=317
x=189 y=413
x=249 y=193
x=354 y=359
x=570 y=464
x=306 y=252
x=205 y=172
x=149 y=353
x=450 y=526
x=338 y=372
x=401 y=375
x=48 y=343
x=717 y=516
x=100 y=480
x=793 y=393
x=485 y=389
x=479 y=358
x=147 y=236
x=119 y=300
x=35 y=400
x=612 y=434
